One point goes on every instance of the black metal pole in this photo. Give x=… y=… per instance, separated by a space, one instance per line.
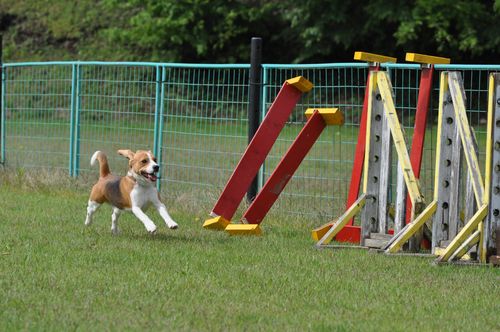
x=254 y=101
x=1 y=94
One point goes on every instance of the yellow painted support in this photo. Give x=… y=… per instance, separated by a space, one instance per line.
x=342 y=221
x=443 y=87
x=332 y=116
x=218 y=223
x=412 y=228
x=439 y=251
x=466 y=231
x=462 y=250
x=489 y=139
x=487 y=172
x=371 y=57
x=320 y=231
x=426 y=59
x=300 y=83
x=412 y=183
x=466 y=136
x=372 y=87
x=243 y=229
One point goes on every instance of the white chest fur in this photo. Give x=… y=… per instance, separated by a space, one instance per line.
x=142 y=196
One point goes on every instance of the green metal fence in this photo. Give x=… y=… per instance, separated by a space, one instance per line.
x=194 y=117
x=205 y=129
x=320 y=185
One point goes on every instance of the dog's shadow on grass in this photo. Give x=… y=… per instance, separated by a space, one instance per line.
x=168 y=237
x=176 y=236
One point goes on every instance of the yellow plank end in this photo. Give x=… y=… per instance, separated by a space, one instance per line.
x=438 y=251
x=243 y=229
x=427 y=59
x=217 y=223
x=300 y=83
x=371 y=57
x=332 y=116
x=318 y=233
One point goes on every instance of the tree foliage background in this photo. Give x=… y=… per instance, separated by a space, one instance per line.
x=219 y=31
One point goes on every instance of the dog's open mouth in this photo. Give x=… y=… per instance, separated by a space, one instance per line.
x=150 y=176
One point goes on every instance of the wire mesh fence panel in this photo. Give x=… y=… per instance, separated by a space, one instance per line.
x=56 y=115
x=36 y=113
x=319 y=187
x=117 y=106
x=204 y=131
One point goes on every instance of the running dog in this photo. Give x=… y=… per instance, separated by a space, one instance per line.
x=134 y=192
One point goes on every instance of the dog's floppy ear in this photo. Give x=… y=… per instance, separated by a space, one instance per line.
x=127 y=153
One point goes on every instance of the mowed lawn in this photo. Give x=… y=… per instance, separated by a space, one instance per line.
x=57 y=275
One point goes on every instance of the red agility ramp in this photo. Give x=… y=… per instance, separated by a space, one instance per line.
x=318 y=119
x=256 y=152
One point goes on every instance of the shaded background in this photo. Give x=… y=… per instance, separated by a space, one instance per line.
x=220 y=31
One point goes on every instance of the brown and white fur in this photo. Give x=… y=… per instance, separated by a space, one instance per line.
x=134 y=192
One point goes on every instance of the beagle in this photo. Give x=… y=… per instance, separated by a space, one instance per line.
x=134 y=192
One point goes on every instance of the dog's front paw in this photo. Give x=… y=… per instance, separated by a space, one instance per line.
x=115 y=231
x=152 y=230
x=172 y=224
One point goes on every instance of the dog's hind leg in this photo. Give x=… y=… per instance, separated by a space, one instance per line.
x=91 y=209
x=114 y=220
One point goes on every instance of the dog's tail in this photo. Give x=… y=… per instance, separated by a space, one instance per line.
x=103 y=163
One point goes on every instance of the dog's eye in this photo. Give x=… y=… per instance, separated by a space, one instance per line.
x=154 y=159
x=144 y=161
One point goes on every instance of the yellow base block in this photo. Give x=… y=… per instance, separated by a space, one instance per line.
x=319 y=232
x=217 y=223
x=332 y=116
x=243 y=229
x=300 y=83
x=371 y=57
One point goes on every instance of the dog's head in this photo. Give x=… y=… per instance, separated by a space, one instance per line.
x=142 y=165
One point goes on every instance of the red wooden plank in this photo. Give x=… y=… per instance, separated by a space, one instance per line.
x=285 y=169
x=256 y=151
x=417 y=146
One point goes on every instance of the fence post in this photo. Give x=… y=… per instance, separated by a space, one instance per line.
x=264 y=93
x=158 y=117
x=2 y=106
x=76 y=85
x=72 y=120
x=254 y=94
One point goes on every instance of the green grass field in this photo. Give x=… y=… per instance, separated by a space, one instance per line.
x=57 y=275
